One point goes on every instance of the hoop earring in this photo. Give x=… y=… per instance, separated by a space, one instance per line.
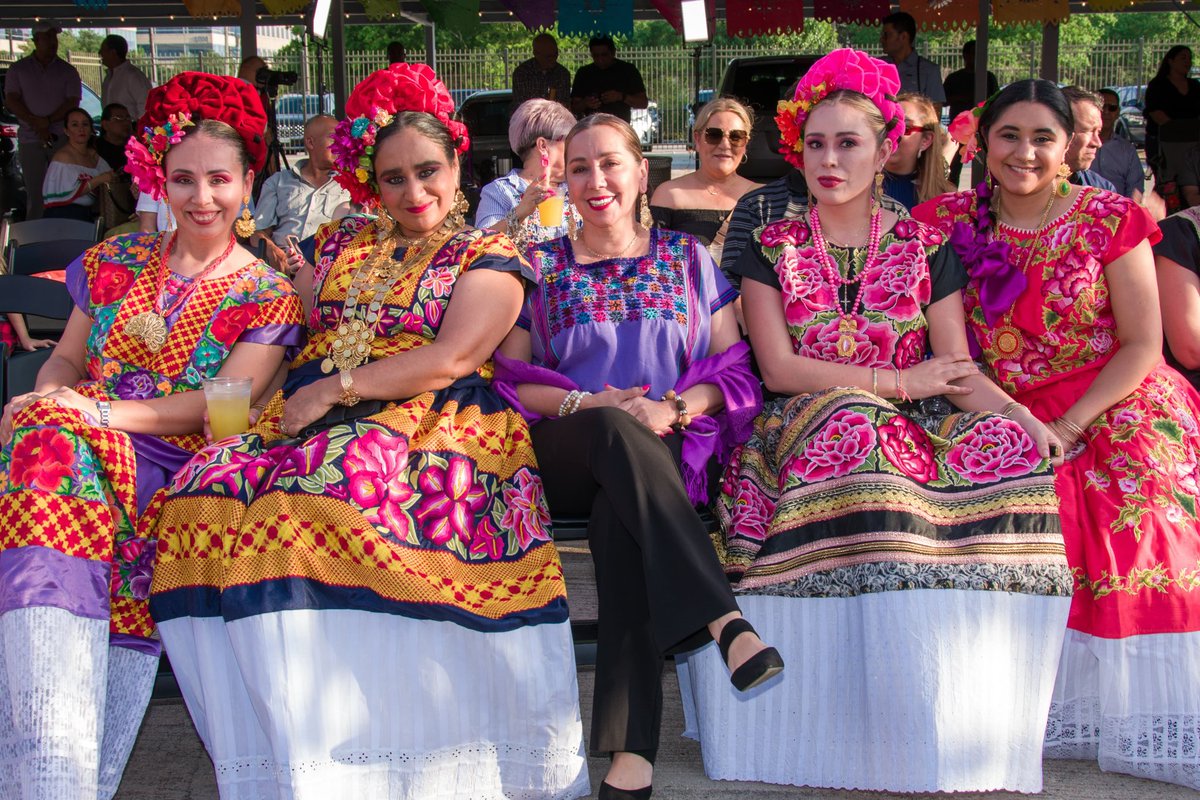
x=745 y=157
x=644 y=217
x=245 y=227
x=457 y=216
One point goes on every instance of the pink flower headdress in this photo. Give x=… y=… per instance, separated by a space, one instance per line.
x=373 y=105
x=844 y=69
x=964 y=128
x=144 y=156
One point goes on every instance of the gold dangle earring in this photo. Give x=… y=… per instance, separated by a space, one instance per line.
x=572 y=225
x=1064 y=186
x=644 y=217
x=244 y=227
x=877 y=199
x=458 y=214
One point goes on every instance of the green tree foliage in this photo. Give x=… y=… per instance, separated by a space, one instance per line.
x=74 y=41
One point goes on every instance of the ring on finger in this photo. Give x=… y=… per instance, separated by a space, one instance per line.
x=283 y=428
x=1055 y=451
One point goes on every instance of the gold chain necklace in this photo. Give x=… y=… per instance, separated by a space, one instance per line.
x=351 y=346
x=637 y=231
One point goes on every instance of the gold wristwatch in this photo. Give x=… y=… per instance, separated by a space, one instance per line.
x=349 y=397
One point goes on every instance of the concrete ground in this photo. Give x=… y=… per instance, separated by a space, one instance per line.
x=169 y=762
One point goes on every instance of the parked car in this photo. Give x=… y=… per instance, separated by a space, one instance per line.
x=292 y=111
x=761 y=82
x=648 y=125
x=1131 y=124
x=486 y=116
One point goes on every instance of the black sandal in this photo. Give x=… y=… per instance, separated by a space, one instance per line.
x=761 y=666
x=612 y=793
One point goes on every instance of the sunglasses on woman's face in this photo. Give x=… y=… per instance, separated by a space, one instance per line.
x=736 y=138
x=909 y=130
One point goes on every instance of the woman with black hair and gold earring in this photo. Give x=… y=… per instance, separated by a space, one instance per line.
x=376 y=608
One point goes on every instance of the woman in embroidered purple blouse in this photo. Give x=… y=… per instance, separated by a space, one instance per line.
x=627 y=359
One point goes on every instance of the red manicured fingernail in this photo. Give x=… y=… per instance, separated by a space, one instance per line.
x=646 y=388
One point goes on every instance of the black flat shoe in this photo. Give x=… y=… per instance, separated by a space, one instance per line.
x=611 y=793
x=764 y=664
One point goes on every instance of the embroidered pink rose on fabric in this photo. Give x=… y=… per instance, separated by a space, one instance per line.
x=907 y=446
x=525 y=513
x=911 y=350
x=752 y=511
x=843 y=444
x=784 y=232
x=805 y=290
x=376 y=466
x=898 y=283
x=995 y=449
x=875 y=343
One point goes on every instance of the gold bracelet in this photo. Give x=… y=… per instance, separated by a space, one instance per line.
x=1012 y=406
x=1071 y=427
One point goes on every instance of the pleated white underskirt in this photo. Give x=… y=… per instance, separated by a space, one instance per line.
x=912 y=691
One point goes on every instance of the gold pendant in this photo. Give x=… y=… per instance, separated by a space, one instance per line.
x=1007 y=341
x=847 y=344
x=150 y=328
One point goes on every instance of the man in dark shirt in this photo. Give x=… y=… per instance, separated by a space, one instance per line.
x=116 y=126
x=960 y=95
x=608 y=84
x=541 y=76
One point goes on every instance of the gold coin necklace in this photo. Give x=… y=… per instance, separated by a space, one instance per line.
x=351 y=345
x=150 y=327
x=1007 y=340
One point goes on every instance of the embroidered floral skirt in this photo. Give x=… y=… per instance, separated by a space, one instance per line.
x=78 y=650
x=913 y=576
x=375 y=612
x=1126 y=692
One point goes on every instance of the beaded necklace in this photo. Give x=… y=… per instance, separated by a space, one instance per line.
x=150 y=327
x=847 y=326
x=351 y=347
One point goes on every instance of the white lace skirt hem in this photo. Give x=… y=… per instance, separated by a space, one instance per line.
x=912 y=691
x=1133 y=704
x=70 y=705
x=307 y=705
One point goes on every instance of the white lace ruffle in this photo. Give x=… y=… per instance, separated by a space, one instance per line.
x=1133 y=704
x=306 y=704
x=70 y=705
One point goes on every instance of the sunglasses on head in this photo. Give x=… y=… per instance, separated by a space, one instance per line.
x=1110 y=107
x=910 y=129
x=736 y=138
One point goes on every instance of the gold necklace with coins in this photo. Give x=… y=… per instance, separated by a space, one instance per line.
x=351 y=346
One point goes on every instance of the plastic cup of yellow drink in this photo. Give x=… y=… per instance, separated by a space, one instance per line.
x=228 y=405
x=550 y=211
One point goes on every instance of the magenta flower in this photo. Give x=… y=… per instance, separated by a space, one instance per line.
x=752 y=512
x=525 y=513
x=451 y=500
x=995 y=449
x=376 y=465
x=907 y=446
x=842 y=445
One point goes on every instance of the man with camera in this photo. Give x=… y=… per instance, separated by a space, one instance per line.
x=256 y=72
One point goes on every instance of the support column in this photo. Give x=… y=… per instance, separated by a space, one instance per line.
x=249 y=29
x=337 y=40
x=1050 y=53
x=431 y=46
x=978 y=165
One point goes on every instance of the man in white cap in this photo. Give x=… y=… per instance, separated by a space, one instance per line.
x=40 y=89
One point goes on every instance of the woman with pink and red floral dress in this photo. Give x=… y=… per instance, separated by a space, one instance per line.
x=1063 y=305
x=909 y=558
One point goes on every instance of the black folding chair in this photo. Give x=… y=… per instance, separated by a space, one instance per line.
x=33 y=231
x=30 y=259
x=25 y=294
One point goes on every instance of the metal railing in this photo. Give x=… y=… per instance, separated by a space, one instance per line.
x=672 y=75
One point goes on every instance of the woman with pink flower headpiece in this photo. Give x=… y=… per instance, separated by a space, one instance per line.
x=360 y=596
x=1062 y=304
x=115 y=411
x=908 y=558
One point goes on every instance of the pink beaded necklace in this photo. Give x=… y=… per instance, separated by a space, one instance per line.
x=847 y=327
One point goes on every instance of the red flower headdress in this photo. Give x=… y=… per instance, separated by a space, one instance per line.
x=843 y=69
x=182 y=102
x=373 y=105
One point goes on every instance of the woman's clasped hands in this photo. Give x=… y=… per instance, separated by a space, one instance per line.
x=657 y=415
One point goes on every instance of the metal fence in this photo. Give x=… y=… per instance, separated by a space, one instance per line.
x=672 y=75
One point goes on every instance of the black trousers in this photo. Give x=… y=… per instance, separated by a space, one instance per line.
x=658 y=579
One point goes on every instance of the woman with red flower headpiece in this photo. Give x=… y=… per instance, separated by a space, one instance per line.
x=906 y=558
x=1062 y=302
x=115 y=412
x=360 y=597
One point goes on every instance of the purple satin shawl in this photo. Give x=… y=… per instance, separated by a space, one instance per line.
x=705 y=437
x=989 y=265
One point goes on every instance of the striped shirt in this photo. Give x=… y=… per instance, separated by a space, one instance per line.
x=785 y=197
